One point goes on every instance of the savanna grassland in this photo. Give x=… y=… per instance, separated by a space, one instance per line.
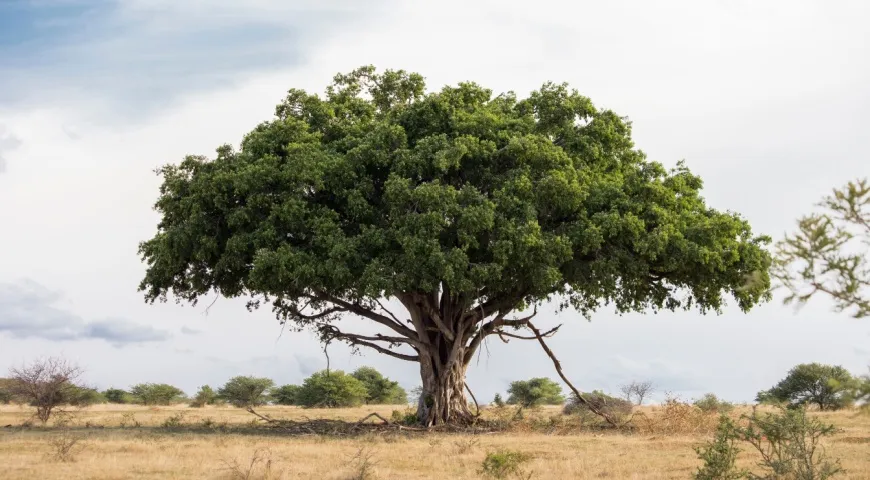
x=123 y=441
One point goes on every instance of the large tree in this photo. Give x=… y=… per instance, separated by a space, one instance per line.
x=463 y=206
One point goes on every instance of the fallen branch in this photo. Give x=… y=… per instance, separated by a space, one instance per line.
x=373 y=414
x=558 y=366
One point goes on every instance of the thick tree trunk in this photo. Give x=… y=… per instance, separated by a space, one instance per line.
x=443 y=344
x=443 y=400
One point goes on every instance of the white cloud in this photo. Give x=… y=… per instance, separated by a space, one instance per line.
x=765 y=100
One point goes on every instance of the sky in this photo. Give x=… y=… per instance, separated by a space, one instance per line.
x=766 y=101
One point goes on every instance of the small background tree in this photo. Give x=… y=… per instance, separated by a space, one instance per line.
x=637 y=391
x=246 y=391
x=710 y=403
x=286 y=395
x=156 y=394
x=116 y=395
x=6 y=395
x=204 y=396
x=615 y=407
x=46 y=384
x=824 y=386
x=535 y=392
x=381 y=390
x=332 y=389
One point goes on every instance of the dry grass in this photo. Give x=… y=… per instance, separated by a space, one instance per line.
x=222 y=443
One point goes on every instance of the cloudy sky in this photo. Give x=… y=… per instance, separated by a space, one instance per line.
x=767 y=101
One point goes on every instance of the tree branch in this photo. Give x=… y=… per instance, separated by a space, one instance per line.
x=367 y=341
x=364 y=312
x=547 y=334
x=558 y=366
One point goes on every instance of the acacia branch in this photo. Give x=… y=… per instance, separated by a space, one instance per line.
x=558 y=366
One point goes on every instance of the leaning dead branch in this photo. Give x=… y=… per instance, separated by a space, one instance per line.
x=558 y=365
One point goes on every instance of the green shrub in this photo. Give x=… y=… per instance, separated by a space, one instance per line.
x=617 y=408
x=534 y=392
x=204 y=396
x=788 y=442
x=497 y=400
x=85 y=397
x=245 y=391
x=504 y=464
x=156 y=394
x=380 y=389
x=825 y=386
x=331 y=390
x=720 y=454
x=404 y=417
x=116 y=395
x=710 y=403
x=286 y=395
x=6 y=395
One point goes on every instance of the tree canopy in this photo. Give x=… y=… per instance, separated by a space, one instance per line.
x=331 y=389
x=463 y=205
x=824 y=386
x=381 y=390
x=534 y=392
x=246 y=391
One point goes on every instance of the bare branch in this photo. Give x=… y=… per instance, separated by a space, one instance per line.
x=558 y=366
x=364 y=312
x=331 y=332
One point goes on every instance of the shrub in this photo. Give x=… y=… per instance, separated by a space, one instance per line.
x=204 y=396
x=788 y=443
x=381 y=390
x=116 y=395
x=497 y=400
x=156 y=394
x=286 y=395
x=245 y=391
x=85 y=397
x=710 y=403
x=405 y=417
x=504 y=464
x=811 y=384
x=720 y=454
x=331 y=389
x=617 y=408
x=534 y=392
x=6 y=395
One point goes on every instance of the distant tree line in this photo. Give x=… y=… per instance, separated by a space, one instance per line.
x=48 y=384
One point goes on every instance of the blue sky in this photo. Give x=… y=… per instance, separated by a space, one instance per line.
x=766 y=101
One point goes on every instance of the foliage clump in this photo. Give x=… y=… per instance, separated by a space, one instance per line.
x=504 y=464
x=246 y=391
x=710 y=403
x=380 y=389
x=156 y=394
x=332 y=389
x=535 y=392
x=204 y=396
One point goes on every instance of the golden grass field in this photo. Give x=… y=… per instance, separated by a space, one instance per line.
x=120 y=442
